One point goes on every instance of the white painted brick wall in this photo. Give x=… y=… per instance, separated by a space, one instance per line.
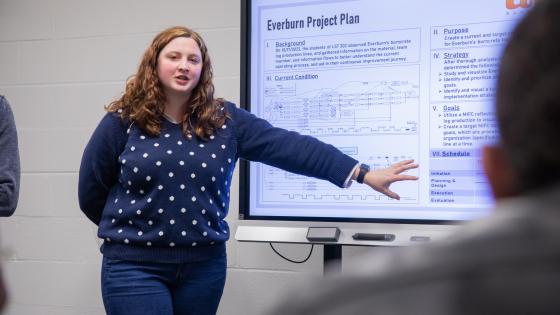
x=61 y=61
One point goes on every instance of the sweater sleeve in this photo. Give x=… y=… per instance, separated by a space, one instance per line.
x=9 y=161
x=99 y=167
x=259 y=141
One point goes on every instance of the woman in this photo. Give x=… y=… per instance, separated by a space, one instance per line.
x=156 y=173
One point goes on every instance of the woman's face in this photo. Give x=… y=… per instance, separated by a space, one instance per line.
x=179 y=67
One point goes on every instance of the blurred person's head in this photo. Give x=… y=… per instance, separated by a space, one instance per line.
x=528 y=106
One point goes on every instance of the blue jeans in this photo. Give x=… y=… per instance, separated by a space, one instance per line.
x=130 y=287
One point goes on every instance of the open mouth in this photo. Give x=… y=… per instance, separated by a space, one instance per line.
x=182 y=79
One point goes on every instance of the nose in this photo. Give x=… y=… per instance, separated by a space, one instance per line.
x=183 y=65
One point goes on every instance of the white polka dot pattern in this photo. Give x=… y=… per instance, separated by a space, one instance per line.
x=173 y=192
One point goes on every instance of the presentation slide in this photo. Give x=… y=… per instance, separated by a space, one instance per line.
x=383 y=81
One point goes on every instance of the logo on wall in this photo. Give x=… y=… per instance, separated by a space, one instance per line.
x=516 y=4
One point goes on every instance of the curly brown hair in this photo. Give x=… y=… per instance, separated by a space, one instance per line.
x=143 y=99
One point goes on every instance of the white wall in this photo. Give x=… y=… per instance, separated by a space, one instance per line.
x=61 y=61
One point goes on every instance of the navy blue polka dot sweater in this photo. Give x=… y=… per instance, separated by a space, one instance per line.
x=164 y=199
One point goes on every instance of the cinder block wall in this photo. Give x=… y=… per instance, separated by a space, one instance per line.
x=61 y=61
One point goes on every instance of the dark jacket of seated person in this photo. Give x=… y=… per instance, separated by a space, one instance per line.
x=9 y=160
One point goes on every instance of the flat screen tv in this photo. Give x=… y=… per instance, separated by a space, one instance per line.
x=383 y=81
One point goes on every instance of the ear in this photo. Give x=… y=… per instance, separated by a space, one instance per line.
x=499 y=172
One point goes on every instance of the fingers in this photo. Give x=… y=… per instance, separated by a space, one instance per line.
x=399 y=178
x=404 y=166
x=381 y=179
x=405 y=177
x=403 y=163
x=391 y=194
